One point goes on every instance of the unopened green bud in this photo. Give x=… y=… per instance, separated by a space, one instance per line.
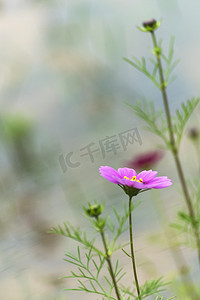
x=109 y=252
x=157 y=51
x=94 y=210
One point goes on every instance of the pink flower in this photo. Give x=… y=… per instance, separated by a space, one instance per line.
x=145 y=160
x=133 y=183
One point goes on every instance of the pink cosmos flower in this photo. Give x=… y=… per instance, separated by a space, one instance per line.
x=133 y=183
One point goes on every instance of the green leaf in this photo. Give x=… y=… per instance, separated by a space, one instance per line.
x=149 y=288
x=182 y=116
x=154 y=119
x=77 y=235
x=141 y=66
x=152 y=287
x=89 y=279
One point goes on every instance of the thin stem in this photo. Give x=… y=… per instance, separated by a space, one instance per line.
x=108 y=259
x=132 y=250
x=174 y=149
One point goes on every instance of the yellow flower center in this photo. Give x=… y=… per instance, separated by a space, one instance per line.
x=134 y=179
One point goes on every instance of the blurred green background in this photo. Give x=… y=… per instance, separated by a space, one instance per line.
x=63 y=86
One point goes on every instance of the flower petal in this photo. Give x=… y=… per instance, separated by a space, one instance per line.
x=159 y=182
x=109 y=174
x=147 y=175
x=126 y=172
x=124 y=177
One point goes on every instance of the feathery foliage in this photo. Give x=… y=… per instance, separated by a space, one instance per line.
x=182 y=116
x=150 y=287
x=161 y=298
x=76 y=234
x=153 y=74
x=88 y=273
x=154 y=119
x=146 y=111
x=184 y=222
x=92 y=274
x=156 y=122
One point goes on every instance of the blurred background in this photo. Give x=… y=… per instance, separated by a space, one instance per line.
x=64 y=87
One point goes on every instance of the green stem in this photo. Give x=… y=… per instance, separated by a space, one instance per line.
x=174 y=149
x=132 y=250
x=108 y=259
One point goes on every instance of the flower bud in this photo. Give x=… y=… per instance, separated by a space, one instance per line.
x=193 y=133
x=94 y=210
x=149 y=23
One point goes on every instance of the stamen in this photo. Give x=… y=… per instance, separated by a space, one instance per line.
x=134 y=179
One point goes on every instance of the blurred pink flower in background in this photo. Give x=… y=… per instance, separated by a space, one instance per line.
x=145 y=160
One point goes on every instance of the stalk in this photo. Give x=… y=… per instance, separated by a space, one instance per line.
x=108 y=259
x=132 y=251
x=174 y=149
